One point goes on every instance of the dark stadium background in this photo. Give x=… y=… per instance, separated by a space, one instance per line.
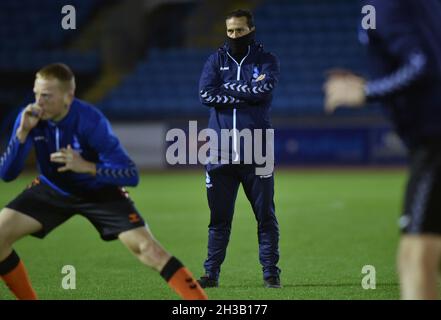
x=139 y=61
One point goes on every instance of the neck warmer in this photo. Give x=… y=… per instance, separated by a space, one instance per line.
x=239 y=46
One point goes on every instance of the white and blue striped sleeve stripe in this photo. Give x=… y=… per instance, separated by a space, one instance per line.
x=400 y=79
x=213 y=98
x=12 y=160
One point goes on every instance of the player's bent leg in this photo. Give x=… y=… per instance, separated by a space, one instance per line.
x=142 y=243
x=13 y=226
x=419 y=259
x=145 y=247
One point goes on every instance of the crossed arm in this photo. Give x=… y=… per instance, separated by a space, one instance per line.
x=213 y=92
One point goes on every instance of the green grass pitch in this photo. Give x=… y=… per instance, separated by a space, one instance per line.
x=332 y=223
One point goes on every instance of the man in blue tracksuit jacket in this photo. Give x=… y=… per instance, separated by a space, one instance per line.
x=237 y=83
x=82 y=169
x=404 y=50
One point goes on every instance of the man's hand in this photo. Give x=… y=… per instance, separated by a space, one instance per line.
x=344 y=88
x=261 y=77
x=73 y=161
x=29 y=120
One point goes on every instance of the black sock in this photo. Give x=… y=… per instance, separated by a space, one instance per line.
x=9 y=263
x=170 y=268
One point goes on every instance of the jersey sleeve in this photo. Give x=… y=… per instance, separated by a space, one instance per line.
x=13 y=158
x=114 y=165
x=396 y=29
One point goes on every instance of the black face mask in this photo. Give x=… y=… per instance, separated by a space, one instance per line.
x=239 y=46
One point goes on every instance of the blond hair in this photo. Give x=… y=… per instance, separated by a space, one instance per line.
x=58 y=71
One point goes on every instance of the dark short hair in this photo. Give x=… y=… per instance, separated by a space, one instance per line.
x=242 y=13
x=58 y=71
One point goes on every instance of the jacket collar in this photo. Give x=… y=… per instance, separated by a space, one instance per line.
x=254 y=46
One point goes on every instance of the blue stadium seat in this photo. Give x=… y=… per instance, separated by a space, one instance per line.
x=31 y=29
x=309 y=37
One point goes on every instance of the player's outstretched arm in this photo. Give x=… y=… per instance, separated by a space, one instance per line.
x=344 y=89
x=398 y=32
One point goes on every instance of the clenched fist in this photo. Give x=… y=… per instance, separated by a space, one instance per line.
x=29 y=119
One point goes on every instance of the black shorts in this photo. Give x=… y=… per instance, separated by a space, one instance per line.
x=422 y=204
x=110 y=210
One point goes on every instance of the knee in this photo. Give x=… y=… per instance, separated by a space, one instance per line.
x=145 y=248
x=150 y=253
x=269 y=224
x=6 y=242
x=220 y=224
x=5 y=233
